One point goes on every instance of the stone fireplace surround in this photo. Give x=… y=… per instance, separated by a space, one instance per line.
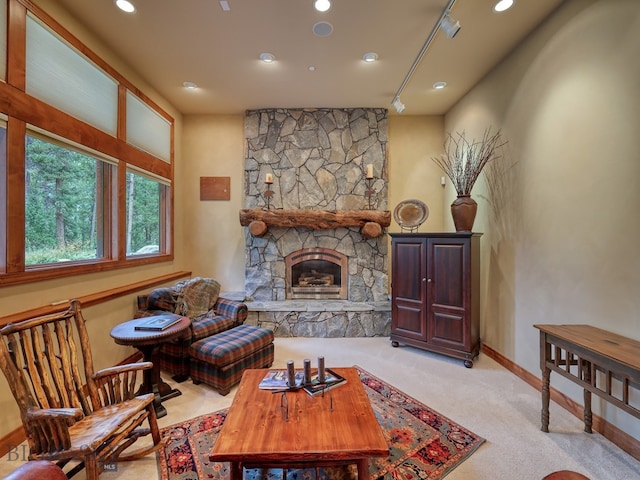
x=317 y=158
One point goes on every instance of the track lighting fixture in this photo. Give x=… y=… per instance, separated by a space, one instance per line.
x=449 y=26
x=398 y=105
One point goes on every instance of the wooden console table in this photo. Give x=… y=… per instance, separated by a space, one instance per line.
x=599 y=361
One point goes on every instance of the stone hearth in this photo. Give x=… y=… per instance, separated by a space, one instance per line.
x=326 y=319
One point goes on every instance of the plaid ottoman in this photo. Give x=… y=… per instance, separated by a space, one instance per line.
x=220 y=359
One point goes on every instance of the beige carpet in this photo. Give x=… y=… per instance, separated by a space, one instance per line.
x=486 y=399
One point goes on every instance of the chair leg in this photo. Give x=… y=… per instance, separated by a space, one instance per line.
x=91 y=467
x=158 y=441
x=153 y=425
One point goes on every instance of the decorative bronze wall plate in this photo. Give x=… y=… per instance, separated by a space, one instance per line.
x=410 y=214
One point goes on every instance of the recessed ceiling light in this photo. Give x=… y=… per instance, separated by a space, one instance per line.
x=323 y=29
x=312 y=68
x=503 y=5
x=321 y=5
x=439 y=85
x=189 y=85
x=267 y=57
x=125 y=6
x=370 y=57
x=224 y=5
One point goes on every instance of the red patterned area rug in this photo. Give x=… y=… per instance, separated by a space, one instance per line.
x=423 y=443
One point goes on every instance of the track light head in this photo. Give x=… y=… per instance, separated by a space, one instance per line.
x=449 y=26
x=398 y=105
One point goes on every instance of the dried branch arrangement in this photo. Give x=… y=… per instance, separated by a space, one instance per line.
x=464 y=160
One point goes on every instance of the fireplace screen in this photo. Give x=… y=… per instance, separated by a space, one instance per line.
x=318 y=273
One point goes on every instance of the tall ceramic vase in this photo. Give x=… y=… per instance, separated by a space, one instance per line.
x=463 y=211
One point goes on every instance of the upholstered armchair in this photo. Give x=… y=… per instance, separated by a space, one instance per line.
x=37 y=470
x=198 y=299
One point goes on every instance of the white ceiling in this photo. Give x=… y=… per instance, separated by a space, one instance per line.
x=169 y=42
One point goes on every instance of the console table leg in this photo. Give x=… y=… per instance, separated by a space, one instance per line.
x=588 y=420
x=546 y=378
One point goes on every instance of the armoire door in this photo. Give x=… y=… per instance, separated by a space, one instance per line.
x=408 y=288
x=448 y=292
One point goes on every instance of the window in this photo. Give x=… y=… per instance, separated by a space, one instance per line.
x=148 y=130
x=62 y=77
x=144 y=215
x=86 y=164
x=63 y=210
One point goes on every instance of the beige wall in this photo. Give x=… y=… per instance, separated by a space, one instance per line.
x=563 y=247
x=413 y=141
x=213 y=237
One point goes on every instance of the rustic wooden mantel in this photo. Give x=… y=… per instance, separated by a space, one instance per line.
x=370 y=222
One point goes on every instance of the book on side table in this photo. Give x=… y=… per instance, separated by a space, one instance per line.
x=158 y=322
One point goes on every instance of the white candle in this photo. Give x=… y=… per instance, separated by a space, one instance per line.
x=369 y=171
x=269 y=178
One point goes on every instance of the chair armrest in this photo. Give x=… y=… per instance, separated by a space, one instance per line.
x=203 y=327
x=48 y=428
x=117 y=384
x=143 y=302
x=55 y=414
x=236 y=311
x=127 y=367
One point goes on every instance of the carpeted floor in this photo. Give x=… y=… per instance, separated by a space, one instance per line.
x=423 y=443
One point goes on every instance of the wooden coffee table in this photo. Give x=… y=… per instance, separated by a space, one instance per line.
x=338 y=428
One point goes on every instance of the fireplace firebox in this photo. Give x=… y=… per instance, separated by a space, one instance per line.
x=316 y=273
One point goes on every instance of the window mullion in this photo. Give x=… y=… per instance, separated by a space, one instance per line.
x=121 y=243
x=16 y=130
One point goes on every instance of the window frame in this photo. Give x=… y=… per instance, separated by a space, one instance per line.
x=21 y=110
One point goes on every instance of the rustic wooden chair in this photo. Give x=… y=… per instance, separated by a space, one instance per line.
x=69 y=412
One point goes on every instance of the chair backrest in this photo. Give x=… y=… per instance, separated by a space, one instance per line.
x=44 y=366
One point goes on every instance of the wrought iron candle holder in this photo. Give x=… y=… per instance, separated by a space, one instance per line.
x=369 y=194
x=268 y=193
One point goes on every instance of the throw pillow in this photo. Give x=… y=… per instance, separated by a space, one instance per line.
x=197 y=296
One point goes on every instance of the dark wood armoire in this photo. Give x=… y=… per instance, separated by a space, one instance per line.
x=435 y=292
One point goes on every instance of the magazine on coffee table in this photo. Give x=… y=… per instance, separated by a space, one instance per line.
x=277 y=380
x=331 y=380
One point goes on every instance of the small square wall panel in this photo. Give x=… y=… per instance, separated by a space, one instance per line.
x=215 y=188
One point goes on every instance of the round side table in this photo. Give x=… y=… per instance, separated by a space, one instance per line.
x=148 y=342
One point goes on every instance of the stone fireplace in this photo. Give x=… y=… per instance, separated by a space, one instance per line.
x=317 y=160
x=317 y=273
